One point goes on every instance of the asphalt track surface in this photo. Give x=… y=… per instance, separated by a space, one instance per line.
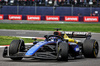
x=33 y=22
x=37 y=62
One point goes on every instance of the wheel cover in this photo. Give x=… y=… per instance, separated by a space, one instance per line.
x=95 y=49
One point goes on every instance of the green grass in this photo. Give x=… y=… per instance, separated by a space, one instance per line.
x=6 y=40
x=50 y=27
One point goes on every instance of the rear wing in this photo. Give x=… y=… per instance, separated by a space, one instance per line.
x=78 y=34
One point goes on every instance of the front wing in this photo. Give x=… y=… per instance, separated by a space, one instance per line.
x=40 y=55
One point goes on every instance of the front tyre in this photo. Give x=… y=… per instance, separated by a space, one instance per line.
x=90 y=48
x=63 y=51
x=15 y=46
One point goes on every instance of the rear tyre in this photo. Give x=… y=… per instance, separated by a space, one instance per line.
x=63 y=51
x=15 y=46
x=90 y=48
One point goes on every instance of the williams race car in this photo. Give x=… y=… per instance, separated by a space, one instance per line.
x=58 y=46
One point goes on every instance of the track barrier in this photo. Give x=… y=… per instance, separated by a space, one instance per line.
x=52 y=18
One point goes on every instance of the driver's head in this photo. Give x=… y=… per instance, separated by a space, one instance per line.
x=53 y=38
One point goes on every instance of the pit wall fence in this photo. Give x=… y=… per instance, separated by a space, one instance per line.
x=43 y=10
x=73 y=14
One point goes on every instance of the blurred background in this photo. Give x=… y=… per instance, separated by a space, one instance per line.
x=50 y=7
x=77 y=3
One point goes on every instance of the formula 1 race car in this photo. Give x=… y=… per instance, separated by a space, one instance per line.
x=58 y=46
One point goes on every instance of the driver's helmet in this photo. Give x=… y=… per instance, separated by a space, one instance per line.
x=53 y=39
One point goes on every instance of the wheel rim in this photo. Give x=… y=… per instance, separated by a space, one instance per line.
x=59 y=54
x=96 y=49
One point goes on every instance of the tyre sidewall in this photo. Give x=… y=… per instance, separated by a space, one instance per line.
x=89 y=48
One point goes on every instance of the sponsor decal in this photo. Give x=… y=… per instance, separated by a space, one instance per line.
x=1 y=17
x=91 y=19
x=15 y=17
x=36 y=45
x=52 y=18
x=71 y=18
x=34 y=17
x=77 y=49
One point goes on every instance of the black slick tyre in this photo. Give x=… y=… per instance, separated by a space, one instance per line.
x=63 y=51
x=90 y=48
x=14 y=47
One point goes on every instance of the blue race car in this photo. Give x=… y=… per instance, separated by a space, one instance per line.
x=58 y=46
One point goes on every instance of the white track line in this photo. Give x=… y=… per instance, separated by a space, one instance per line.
x=2 y=46
x=8 y=45
x=28 y=37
